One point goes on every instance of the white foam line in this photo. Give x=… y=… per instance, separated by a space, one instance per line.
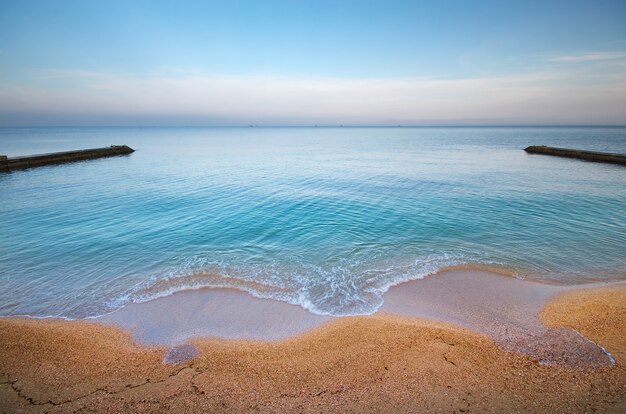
x=431 y=265
x=607 y=353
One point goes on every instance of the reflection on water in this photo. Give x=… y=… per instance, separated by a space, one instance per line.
x=326 y=218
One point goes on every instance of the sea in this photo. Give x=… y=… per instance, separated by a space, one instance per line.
x=327 y=218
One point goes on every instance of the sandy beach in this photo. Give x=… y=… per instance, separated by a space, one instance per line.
x=312 y=207
x=392 y=361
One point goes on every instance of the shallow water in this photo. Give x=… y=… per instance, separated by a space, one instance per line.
x=327 y=218
x=503 y=308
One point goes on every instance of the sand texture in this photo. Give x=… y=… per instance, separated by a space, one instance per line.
x=380 y=363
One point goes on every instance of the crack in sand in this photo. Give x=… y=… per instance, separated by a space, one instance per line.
x=196 y=389
x=445 y=354
x=439 y=338
x=105 y=391
x=30 y=400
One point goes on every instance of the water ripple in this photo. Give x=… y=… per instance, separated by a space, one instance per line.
x=327 y=219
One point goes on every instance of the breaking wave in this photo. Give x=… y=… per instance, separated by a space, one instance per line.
x=345 y=288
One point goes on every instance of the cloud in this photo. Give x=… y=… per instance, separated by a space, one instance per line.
x=75 y=96
x=590 y=57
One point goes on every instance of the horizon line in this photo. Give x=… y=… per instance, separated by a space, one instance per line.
x=332 y=126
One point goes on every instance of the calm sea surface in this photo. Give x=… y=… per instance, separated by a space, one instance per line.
x=327 y=218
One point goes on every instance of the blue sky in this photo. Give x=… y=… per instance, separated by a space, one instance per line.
x=312 y=62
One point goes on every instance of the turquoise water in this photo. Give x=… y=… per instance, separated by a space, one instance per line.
x=327 y=218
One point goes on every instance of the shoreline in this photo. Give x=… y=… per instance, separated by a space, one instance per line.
x=454 y=295
x=161 y=288
x=376 y=363
x=503 y=308
x=397 y=360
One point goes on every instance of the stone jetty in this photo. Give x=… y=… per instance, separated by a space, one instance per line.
x=29 y=161
x=580 y=154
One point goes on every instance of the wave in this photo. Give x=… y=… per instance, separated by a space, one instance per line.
x=344 y=288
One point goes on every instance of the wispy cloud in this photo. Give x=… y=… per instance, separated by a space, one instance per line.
x=541 y=97
x=590 y=57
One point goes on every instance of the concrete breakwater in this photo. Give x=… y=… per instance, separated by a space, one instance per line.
x=580 y=154
x=18 y=163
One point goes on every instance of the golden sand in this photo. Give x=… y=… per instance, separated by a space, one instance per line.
x=362 y=364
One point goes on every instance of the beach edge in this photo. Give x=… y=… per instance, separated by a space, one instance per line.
x=368 y=363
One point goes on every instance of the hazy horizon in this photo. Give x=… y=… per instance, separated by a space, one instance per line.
x=87 y=63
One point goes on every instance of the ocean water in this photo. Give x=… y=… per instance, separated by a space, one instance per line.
x=326 y=218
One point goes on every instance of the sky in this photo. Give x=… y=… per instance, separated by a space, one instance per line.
x=304 y=62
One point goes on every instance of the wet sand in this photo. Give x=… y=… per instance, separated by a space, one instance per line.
x=380 y=363
x=504 y=308
x=223 y=313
